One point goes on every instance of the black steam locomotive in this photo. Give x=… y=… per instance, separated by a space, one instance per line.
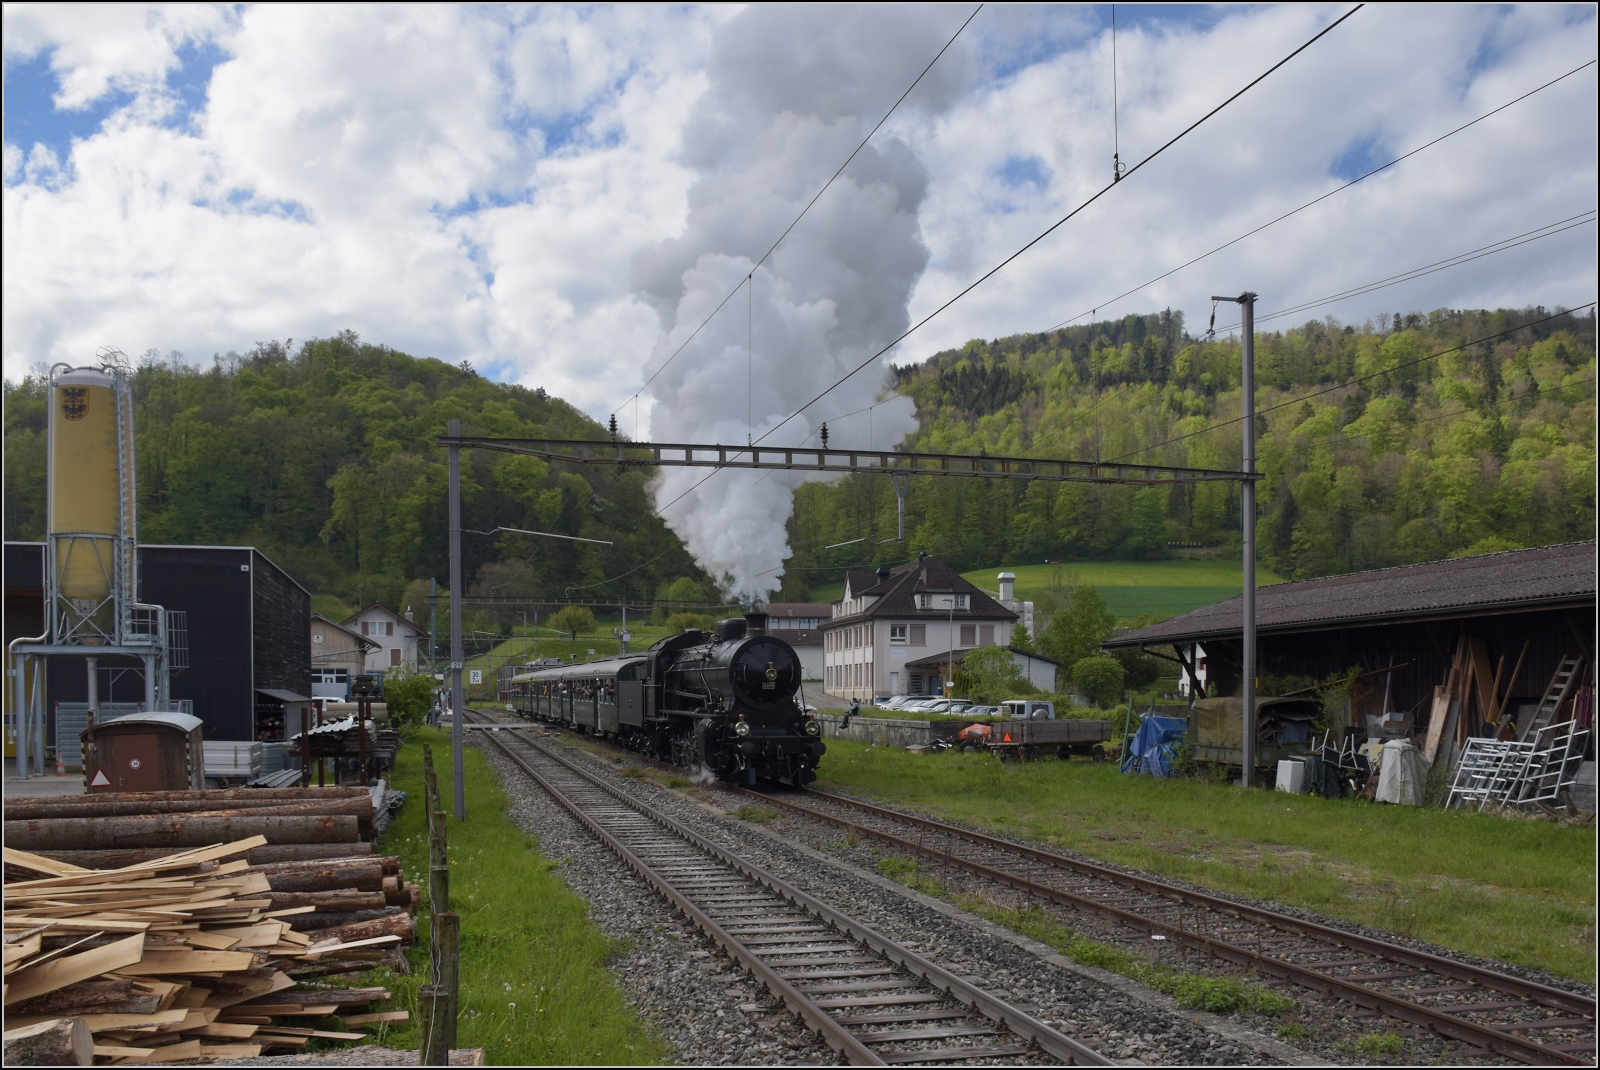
x=724 y=702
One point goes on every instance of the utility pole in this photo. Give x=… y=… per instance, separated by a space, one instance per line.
x=457 y=759
x=433 y=623
x=1247 y=499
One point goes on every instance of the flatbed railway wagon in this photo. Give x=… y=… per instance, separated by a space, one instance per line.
x=723 y=701
x=1014 y=741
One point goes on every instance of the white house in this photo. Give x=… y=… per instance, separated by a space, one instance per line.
x=889 y=630
x=1196 y=657
x=399 y=639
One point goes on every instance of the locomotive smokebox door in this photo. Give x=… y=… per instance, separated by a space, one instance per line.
x=145 y=752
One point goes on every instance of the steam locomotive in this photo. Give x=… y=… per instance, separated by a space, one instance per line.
x=724 y=701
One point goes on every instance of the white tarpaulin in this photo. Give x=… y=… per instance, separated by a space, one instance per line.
x=1401 y=774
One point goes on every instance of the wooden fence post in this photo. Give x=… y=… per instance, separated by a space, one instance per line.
x=447 y=930
x=434 y=1049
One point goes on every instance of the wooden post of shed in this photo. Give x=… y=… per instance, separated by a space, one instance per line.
x=305 y=746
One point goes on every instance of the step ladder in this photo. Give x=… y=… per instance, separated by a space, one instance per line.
x=1488 y=771
x=1553 y=765
x=1555 y=696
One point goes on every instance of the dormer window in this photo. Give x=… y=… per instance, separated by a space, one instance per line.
x=924 y=601
x=961 y=601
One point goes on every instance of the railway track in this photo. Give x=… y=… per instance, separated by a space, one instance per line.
x=872 y=1000
x=1520 y=1019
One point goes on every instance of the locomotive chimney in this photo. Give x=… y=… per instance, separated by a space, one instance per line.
x=755 y=623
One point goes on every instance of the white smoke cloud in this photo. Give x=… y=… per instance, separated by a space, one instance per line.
x=791 y=92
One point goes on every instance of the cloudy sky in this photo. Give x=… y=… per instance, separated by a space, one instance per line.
x=561 y=194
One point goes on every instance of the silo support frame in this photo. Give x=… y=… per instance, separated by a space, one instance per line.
x=30 y=708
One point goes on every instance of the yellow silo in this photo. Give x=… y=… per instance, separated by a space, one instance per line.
x=86 y=510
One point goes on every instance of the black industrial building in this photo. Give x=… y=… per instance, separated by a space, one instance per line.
x=1540 y=600
x=248 y=625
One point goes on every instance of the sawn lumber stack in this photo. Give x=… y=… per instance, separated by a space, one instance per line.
x=196 y=954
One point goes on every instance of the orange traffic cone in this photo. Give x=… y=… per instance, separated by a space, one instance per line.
x=61 y=765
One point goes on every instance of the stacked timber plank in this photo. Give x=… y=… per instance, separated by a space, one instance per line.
x=314 y=846
x=194 y=954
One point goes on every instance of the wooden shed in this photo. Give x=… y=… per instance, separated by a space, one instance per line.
x=145 y=752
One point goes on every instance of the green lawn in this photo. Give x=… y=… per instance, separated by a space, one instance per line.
x=1177 y=572
x=534 y=987
x=1517 y=889
x=1130 y=588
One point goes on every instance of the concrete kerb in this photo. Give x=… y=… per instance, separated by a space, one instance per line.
x=889 y=732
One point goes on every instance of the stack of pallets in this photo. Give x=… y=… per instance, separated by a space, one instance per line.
x=190 y=955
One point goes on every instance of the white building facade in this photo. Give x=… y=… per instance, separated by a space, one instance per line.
x=888 y=620
x=399 y=641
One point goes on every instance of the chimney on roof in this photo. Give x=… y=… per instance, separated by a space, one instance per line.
x=922 y=555
x=883 y=573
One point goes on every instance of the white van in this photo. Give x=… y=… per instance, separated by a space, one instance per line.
x=1027 y=710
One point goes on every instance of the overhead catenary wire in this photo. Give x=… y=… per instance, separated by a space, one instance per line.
x=1037 y=239
x=1549 y=230
x=1319 y=199
x=825 y=186
x=1116 y=134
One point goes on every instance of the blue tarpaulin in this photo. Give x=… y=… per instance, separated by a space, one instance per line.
x=1152 y=747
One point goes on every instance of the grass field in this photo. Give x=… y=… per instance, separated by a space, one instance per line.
x=1517 y=889
x=1134 y=588
x=1130 y=588
x=534 y=987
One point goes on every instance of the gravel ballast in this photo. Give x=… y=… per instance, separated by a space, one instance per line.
x=683 y=999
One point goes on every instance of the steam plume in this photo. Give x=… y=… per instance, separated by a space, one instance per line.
x=791 y=92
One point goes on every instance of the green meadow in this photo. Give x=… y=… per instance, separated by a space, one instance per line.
x=1513 y=888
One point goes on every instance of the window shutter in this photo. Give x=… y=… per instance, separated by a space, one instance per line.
x=985 y=634
x=969 y=635
x=919 y=635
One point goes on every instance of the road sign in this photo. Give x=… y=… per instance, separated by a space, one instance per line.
x=474 y=676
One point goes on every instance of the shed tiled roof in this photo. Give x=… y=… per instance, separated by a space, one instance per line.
x=896 y=595
x=1545 y=576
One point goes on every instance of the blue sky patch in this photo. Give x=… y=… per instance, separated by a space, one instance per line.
x=1362 y=156
x=1020 y=171
x=31 y=116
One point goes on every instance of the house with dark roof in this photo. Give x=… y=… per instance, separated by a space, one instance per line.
x=1530 y=608
x=399 y=638
x=888 y=619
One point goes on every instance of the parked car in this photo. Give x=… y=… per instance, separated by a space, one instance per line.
x=1028 y=710
x=890 y=703
x=937 y=706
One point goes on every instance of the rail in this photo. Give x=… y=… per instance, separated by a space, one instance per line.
x=1231 y=944
x=753 y=934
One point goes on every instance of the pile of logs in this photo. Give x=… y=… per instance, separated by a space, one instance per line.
x=100 y=831
x=193 y=954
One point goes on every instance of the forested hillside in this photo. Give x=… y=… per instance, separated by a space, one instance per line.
x=325 y=459
x=1410 y=444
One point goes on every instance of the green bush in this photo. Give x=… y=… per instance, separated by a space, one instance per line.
x=572 y=620
x=682 y=622
x=408 y=696
x=1099 y=678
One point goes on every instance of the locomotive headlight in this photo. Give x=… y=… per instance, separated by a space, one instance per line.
x=812 y=728
x=741 y=729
